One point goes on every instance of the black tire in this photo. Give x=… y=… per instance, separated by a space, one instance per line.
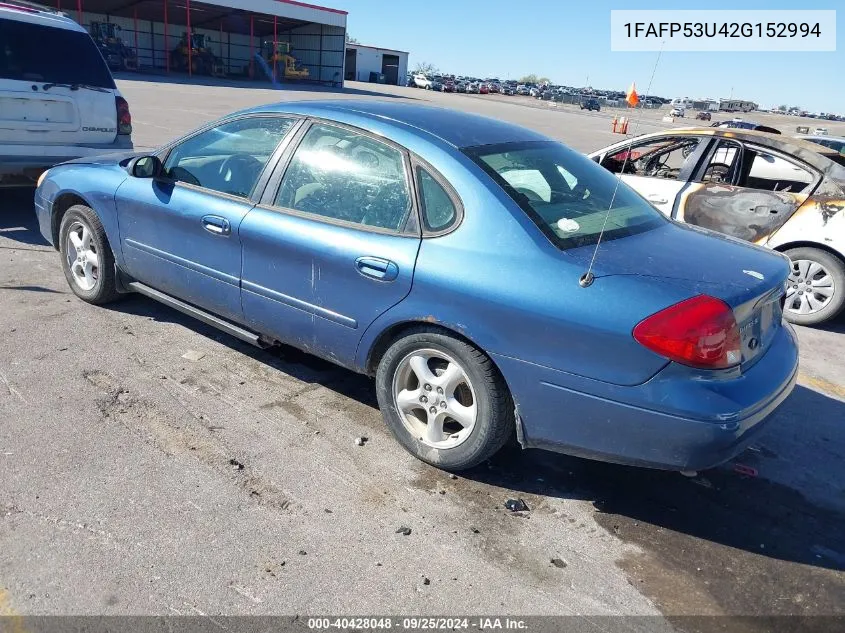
x=104 y=289
x=494 y=424
x=836 y=269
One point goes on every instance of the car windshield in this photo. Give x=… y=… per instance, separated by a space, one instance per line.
x=33 y=52
x=566 y=194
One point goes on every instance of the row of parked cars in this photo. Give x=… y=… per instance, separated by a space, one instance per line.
x=461 y=84
x=495 y=86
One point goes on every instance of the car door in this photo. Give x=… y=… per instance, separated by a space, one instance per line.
x=658 y=168
x=334 y=245
x=179 y=232
x=746 y=190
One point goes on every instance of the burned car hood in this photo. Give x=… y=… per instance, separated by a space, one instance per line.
x=700 y=260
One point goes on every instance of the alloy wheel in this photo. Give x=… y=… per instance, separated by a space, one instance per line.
x=435 y=398
x=810 y=287
x=82 y=258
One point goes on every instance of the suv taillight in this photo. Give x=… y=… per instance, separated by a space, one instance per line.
x=124 y=118
x=701 y=332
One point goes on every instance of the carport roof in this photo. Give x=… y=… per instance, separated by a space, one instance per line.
x=214 y=14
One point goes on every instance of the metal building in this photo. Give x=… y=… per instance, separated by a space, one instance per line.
x=234 y=30
x=374 y=64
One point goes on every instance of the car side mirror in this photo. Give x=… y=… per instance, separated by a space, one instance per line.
x=146 y=167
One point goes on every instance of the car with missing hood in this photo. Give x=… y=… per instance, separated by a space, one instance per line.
x=783 y=193
x=453 y=258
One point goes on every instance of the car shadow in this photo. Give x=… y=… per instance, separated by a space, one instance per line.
x=763 y=502
x=709 y=507
x=17 y=217
x=286 y=359
x=175 y=78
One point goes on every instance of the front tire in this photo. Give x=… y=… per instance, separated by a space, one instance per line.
x=87 y=259
x=816 y=287
x=444 y=400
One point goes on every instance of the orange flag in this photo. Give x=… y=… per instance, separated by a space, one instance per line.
x=631 y=96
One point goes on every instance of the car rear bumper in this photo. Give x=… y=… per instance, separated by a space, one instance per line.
x=21 y=164
x=679 y=420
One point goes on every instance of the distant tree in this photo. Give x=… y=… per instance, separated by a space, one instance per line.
x=533 y=79
x=783 y=108
x=425 y=68
x=351 y=40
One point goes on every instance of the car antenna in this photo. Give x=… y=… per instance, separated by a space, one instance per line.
x=586 y=280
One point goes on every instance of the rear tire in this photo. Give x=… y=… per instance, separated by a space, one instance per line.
x=462 y=379
x=819 y=277
x=87 y=259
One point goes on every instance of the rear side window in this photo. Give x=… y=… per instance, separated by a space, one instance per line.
x=34 y=52
x=339 y=174
x=566 y=194
x=438 y=208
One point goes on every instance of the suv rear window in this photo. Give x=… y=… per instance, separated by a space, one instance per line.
x=34 y=52
x=566 y=194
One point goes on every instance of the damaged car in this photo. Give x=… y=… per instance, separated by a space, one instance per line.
x=453 y=258
x=783 y=193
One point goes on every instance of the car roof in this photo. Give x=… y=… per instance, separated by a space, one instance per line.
x=809 y=152
x=459 y=129
x=37 y=14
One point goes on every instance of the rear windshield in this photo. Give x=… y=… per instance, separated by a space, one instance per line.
x=566 y=194
x=34 y=52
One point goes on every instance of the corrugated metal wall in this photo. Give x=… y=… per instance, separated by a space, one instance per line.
x=318 y=47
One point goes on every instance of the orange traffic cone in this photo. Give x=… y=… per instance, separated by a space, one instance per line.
x=614 y=123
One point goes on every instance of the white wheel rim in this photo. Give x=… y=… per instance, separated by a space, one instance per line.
x=810 y=287
x=435 y=399
x=82 y=257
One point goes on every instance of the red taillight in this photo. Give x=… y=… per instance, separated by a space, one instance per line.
x=701 y=332
x=124 y=118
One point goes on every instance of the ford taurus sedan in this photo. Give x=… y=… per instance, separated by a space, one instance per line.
x=786 y=194
x=454 y=258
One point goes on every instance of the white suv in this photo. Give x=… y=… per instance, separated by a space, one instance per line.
x=421 y=81
x=58 y=100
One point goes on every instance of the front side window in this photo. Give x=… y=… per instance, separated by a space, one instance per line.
x=230 y=157
x=340 y=174
x=34 y=52
x=665 y=157
x=566 y=194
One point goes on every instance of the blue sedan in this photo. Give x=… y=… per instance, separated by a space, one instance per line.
x=496 y=283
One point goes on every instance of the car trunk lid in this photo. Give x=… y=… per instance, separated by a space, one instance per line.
x=748 y=278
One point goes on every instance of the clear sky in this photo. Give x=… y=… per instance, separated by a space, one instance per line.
x=569 y=40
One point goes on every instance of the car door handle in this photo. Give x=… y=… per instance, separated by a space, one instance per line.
x=656 y=199
x=217 y=225
x=377 y=268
